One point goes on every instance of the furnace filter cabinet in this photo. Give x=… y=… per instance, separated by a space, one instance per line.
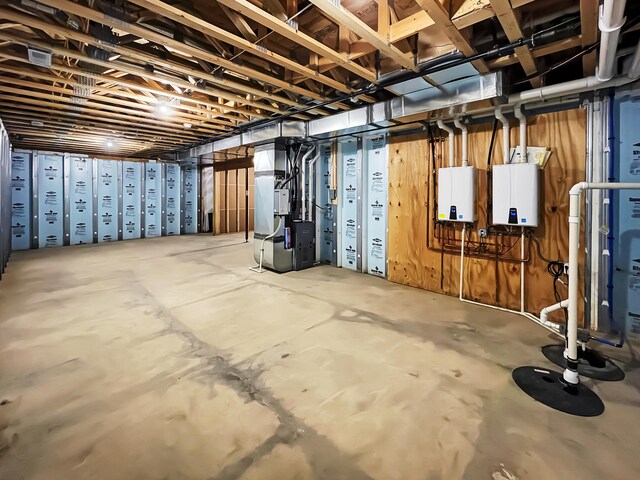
x=515 y=194
x=457 y=194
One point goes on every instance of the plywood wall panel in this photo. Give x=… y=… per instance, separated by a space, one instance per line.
x=486 y=280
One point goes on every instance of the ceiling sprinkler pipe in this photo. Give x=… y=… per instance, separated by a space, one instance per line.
x=465 y=141
x=523 y=132
x=451 y=133
x=506 y=148
x=610 y=22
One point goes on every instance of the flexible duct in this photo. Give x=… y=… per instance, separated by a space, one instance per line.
x=465 y=141
x=451 y=133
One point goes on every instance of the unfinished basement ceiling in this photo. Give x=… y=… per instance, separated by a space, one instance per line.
x=144 y=78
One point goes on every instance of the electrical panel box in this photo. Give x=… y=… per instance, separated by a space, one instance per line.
x=281 y=205
x=515 y=194
x=457 y=194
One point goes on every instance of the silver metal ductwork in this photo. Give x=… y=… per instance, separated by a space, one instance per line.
x=382 y=114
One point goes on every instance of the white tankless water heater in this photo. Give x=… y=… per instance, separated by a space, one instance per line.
x=515 y=194
x=457 y=194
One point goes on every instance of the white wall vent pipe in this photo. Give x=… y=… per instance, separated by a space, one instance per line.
x=506 y=141
x=465 y=141
x=571 y=373
x=523 y=132
x=611 y=21
x=451 y=133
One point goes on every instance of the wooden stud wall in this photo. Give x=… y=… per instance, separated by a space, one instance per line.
x=229 y=201
x=487 y=281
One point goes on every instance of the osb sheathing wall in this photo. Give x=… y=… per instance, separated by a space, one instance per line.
x=487 y=281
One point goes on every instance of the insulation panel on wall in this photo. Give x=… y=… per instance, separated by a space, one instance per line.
x=48 y=198
x=190 y=199
x=21 y=200
x=108 y=192
x=153 y=200
x=132 y=180
x=172 y=199
x=80 y=200
x=626 y=252
x=375 y=149
x=350 y=205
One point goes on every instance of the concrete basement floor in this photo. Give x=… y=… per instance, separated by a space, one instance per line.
x=168 y=359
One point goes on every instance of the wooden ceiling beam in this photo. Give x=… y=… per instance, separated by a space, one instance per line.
x=136 y=108
x=160 y=77
x=440 y=15
x=28 y=118
x=149 y=35
x=191 y=21
x=146 y=102
x=63 y=104
x=511 y=27
x=8 y=104
x=221 y=109
x=589 y=31
x=79 y=136
x=240 y=23
x=342 y=16
x=471 y=12
x=283 y=28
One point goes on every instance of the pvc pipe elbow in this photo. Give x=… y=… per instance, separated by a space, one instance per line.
x=501 y=118
x=444 y=127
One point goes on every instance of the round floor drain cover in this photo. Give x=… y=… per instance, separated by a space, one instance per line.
x=591 y=363
x=549 y=388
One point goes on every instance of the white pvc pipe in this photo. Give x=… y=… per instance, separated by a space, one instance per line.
x=465 y=141
x=544 y=313
x=464 y=229
x=522 y=264
x=571 y=372
x=451 y=133
x=560 y=89
x=610 y=22
x=552 y=327
x=506 y=141
x=523 y=132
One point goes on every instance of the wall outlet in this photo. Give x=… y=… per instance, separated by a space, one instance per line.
x=482 y=232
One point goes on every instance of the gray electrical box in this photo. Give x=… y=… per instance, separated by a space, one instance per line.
x=281 y=203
